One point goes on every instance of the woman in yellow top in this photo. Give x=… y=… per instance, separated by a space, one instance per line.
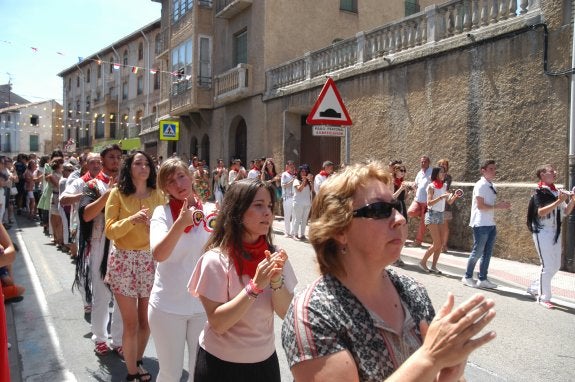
x=131 y=268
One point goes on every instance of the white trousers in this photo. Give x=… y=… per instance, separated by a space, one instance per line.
x=550 y=256
x=219 y=195
x=300 y=215
x=101 y=298
x=288 y=209
x=171 y=333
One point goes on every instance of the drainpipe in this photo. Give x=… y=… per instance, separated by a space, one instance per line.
x=118 y=90
x=570 y=250
x=147 y=73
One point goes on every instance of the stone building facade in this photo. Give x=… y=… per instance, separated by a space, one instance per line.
x=31 y=128
x=461 y=80
x=107 y=94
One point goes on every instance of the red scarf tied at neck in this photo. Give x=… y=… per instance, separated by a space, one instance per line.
x=176 y=207
x=397 y=182
x=551 y=186
x=438 y=184
x=324 y=173
x=246 y=260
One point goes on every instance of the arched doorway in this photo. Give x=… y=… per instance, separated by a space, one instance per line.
x=193 y=147
x=205 y=149
x=239 y=140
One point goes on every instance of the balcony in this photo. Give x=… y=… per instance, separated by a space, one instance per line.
x=232 y=85
x=181 y=95
x=226 y=9
x=107 y=101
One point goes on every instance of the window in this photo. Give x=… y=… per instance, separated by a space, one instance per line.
x=140 y=51
x=77 y=81
x=69 y=110
x=181 y=7
x=182 y=58
x=34 y=143
x=411 y=7
x=205 y=72
x=125 y=90
x=348 y=5
x=111 y=64
x=125 y=59
x=241 y=48
x=87 y=103
x=156 y=81
x=7 y=142
x=69 y=83
x=99 y=70
x=78 y=107
x=88 y=75
x=34 y=120
x=140 y=85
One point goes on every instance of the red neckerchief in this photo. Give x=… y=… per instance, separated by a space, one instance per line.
x=324 y=173
x=103 y=177
x=438 y=184
x=255 y=252
x=87 y=177
x=176 y=207
x=270 y=173
x=550 y=186
x=397 y=182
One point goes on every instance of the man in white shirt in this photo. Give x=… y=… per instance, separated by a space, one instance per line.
x=419 y=205
x=255 y=172
x=288 y=177
x=482 y=222
x=327 y=170
x=237 y=172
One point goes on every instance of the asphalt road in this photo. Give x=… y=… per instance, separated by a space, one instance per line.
x=532 y=344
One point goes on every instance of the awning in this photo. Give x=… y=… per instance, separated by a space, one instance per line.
x=126 y=144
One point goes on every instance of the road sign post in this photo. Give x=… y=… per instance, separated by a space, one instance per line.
x=329 y=114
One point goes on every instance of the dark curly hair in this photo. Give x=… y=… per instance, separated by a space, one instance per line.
x=125 y=183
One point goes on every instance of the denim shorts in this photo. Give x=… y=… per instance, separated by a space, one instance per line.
x=433 y=217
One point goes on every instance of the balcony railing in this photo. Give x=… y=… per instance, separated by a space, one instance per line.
x=233 y=84
x=226 y=9
x=434 y=24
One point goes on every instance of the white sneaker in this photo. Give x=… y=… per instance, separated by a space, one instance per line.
x=532 y=293
x=470 y=282
x=486 y=284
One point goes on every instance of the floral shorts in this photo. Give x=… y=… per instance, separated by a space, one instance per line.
x=131 y=272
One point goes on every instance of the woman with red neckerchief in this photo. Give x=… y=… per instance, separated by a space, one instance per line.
x=547 y=207
x=178 y=232
x=437 y=196
x=242 y=280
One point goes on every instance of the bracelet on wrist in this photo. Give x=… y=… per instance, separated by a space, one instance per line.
x=277 y=285
x=252 y=290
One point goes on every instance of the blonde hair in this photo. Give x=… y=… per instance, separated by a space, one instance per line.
x=332 y=211
x=168 y=168
x=443 y=163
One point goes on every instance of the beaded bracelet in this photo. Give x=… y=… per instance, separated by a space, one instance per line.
x=252 y=290
x=277 y=285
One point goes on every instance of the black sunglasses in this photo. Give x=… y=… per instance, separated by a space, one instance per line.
x=378 y=210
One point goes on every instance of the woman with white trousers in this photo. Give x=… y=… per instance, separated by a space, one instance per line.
x=178 y=232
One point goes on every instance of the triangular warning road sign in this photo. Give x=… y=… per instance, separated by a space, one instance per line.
x=329 y=108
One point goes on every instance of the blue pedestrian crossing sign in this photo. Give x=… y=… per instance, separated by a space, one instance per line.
x=169 y=130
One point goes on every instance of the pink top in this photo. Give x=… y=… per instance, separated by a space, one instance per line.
x=251 y=339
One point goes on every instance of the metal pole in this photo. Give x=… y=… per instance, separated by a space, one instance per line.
x=118 y=89
x=147 y=74
x=347 y=144
x=570 y=247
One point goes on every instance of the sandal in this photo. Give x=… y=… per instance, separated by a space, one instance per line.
x=101 y=348
x=143 y=373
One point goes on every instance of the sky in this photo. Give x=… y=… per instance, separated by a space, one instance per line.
x=74 y=28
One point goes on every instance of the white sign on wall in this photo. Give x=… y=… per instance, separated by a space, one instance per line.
x=328 y=131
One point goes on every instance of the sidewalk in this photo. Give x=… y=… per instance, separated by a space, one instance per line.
x=501 y=271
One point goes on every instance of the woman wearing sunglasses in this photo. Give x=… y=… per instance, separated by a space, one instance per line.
x=437 y=198
x=361 y=321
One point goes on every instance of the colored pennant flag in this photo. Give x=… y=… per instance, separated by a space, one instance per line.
x=135 y=69
x=34 y=49
x=60 y=53
x=153 y=71
x=116 y=66
x=80 y=59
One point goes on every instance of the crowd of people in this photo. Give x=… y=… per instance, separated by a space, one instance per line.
x=186 y=256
